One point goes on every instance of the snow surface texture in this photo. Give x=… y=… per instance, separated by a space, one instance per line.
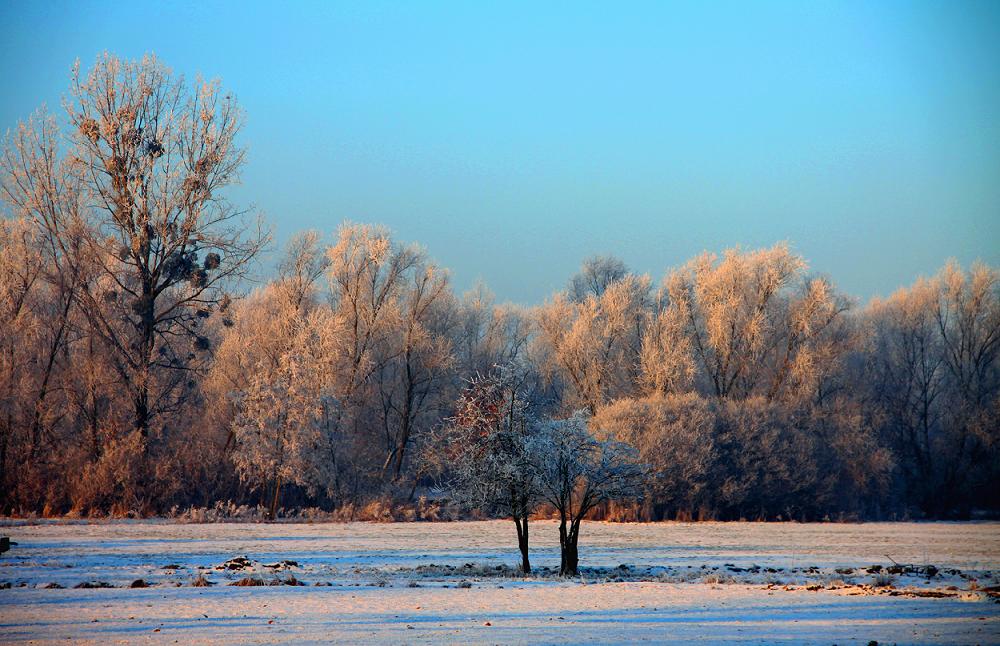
x=433 y=582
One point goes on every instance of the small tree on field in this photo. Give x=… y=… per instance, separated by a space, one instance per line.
x=576 y=473
x=486 y=448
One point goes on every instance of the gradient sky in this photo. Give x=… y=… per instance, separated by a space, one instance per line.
x=513 y=140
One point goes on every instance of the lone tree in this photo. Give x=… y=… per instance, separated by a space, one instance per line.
x=576 y=473
x=487 y=450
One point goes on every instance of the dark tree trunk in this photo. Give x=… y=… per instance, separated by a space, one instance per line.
x=522 y=541
x=569 y=563
x=6 y=433
x=277 y=497
x=406 y=420
x=146 y=342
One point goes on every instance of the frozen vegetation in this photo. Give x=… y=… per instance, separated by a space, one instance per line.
x=822 y=583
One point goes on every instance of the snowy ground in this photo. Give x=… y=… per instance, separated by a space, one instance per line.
x=409 y=582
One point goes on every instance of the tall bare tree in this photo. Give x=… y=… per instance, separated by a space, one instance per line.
x=140 y=195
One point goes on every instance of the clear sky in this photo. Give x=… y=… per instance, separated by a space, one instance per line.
x=512 y=140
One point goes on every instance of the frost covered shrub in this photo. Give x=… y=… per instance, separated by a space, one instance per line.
x=379 y=511
x=675 y=436
x=621 y=512
x=220 y=512
x=112 y=481
x=784 y=461
x=719 y=578
x=834 y=581
x=746 y=458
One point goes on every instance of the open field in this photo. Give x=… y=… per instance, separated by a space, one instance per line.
x=794 y=583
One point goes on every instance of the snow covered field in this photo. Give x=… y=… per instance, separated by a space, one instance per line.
x=410 y=582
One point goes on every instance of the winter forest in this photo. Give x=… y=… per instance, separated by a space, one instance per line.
x=152 y=362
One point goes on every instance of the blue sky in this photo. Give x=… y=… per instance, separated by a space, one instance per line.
x=512 y=140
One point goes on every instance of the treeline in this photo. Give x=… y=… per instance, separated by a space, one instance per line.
x=137 y=373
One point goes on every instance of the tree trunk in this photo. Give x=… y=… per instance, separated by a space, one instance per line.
x=522 y=542
x=569 y=556
x=274 y=501
x=146 y=342
x=406 y=420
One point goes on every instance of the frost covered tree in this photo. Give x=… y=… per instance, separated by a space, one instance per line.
x=577 y=472
x=675 y=437
x=149 y=157
x=257 y=330
x=368 y=275
x=282 y=432
x=133 y=378
x=967 y=313
x=275 y=367
x=751 y=323
x=20 y=272
x=487 y=450
x=155 y=155
x=45 y=264
x=415 y=365
x=593 y=346
x=666 y=360
x=935 y=377
x=488 y=334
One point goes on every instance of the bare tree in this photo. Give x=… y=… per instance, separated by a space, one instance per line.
x=595 y=276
